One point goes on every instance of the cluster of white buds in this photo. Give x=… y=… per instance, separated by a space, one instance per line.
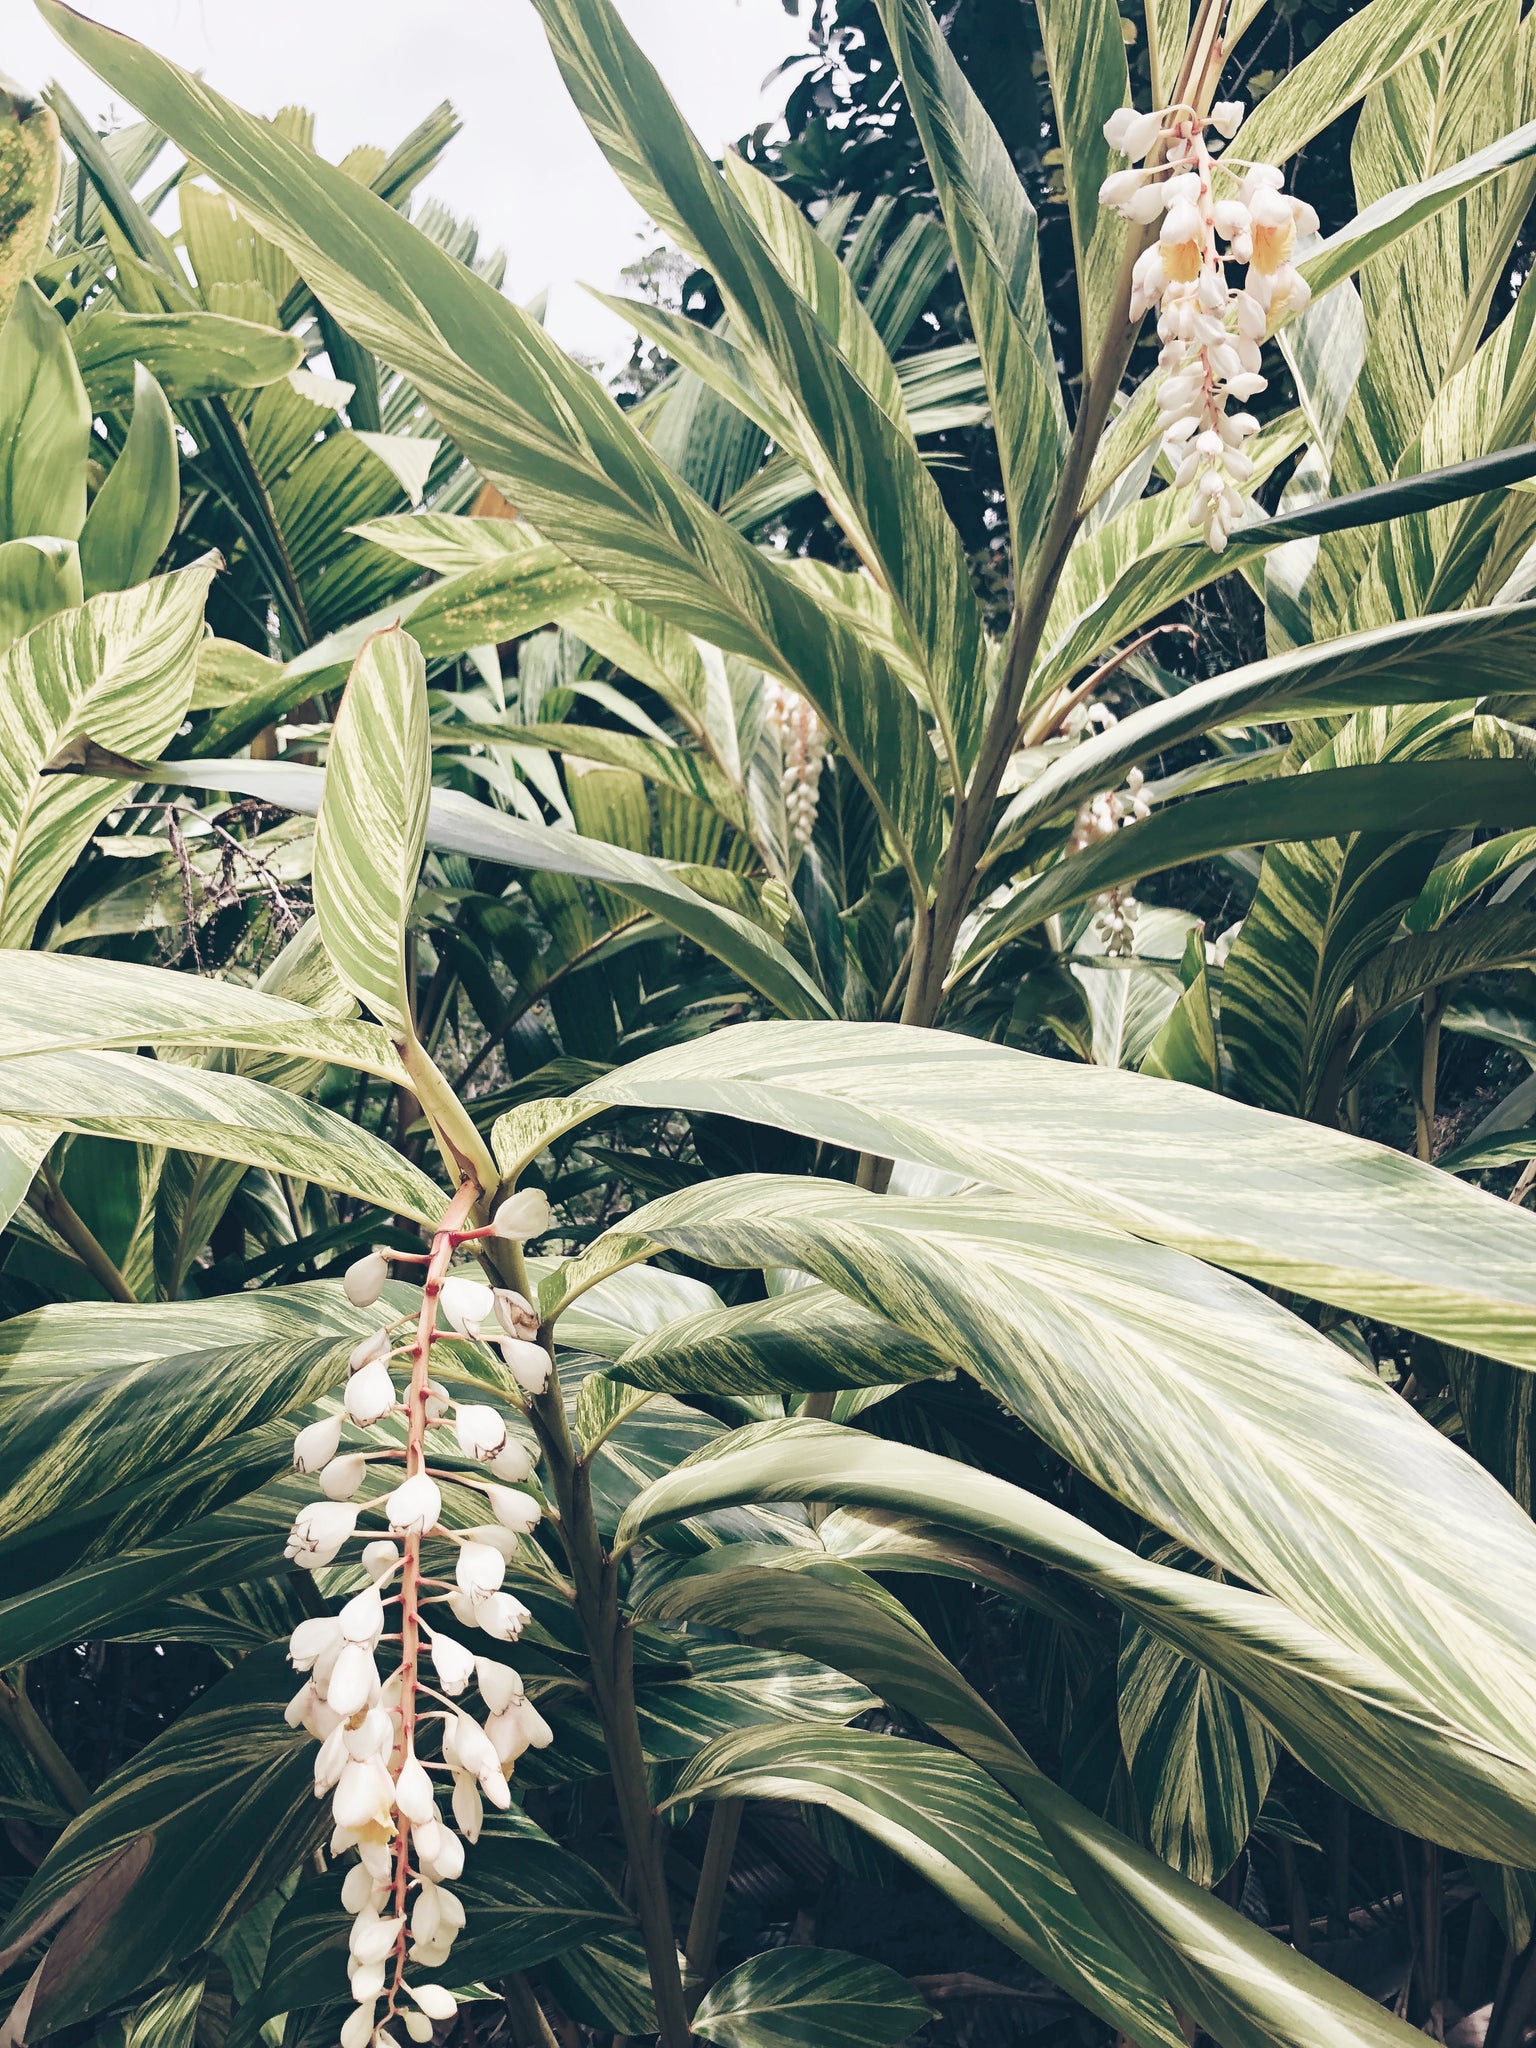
x=1102 y=816
x=1100 y=819
x=1211 y=332
x=803 y=749
x=375 y=1762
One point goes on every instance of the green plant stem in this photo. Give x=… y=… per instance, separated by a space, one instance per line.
x=57 y=1209
x=32 y=1731
x=709 y=1899
x=530 y=2029
x=609 y=1636
x=1429 y=1075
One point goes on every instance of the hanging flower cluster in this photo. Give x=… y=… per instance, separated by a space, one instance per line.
x=1211 y=332
x=1099 y=819
x=375 y=1762
x=803 y=749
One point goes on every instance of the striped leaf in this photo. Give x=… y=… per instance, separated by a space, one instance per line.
x=226 y=1794
x=115 y=1095
x=29 y=165
x=1382 y=804
x=1200 y=1758
x=1085 y=55
x=1410 y=662
x=1346 y=1715
x=1295 y=1206
x=37 y=579
x=941 y=1814
x=802 y=1342
x=833 y=385
x=685 y=769
x=947 y=1819
x=458 y=824
x=809 y=1998
x=992 y=231
x=54 y=1002
x=1341 y=70
x=541 y=429
x=118 y=669
x=371 y=827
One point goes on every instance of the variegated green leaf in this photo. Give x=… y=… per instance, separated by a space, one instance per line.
x=1085 y=55
x=226 y=1794
x=993 y=233
x=809 y=1998
x=946 y=1818
x=190 y=355
x=53 y=1002
x=804 y=1341
x=1293 y=1205
x=118 y=670
x=458 y=824
x=1200 y=1758
x=29 y=174
x=541 y=429
x=1356 y=1724
x=819 y=377
x=116 y=1095
x=371 y=827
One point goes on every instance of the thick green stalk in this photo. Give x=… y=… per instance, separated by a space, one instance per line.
x=709 y=1899
x=32 y=1731
x=530 y=2029
x=57 y=1209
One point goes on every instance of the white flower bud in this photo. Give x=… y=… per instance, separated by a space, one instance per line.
x=453 y=1663
x=374 y=1735
x=502 y=1617
x=319 y=1531
x=500 y=1686
x=516 y=1314
x=414 y=1506
x=480 y=1570
x=512 y=1464
x=362 y=1619
x=538 y=1731
x=364 y=1796
x=466 y=1304
x=523 y=1215
x=413 y=1792
x=434 y=2001
x=507 y=1737
x=417 y=2026
x=367 y=1980
x=375 y=1345
x=359 y=1893
x=444 y=1861
x=357 y=2027
x=519 y=1512
x=371 y=1938
x=494 y=1785
x=354 y=1682
x=427 y=1913
x=527 y=1363
x=1119 y=187
x=343 y=1476
x=316 y=1444
x=481 y=1432
x=330 y=1760
x=1118 y=127
x=364 y=1279
x=1227 y=117
x=1246 y=384
x=370 y=1394
x=380 y=1559
x=468 y=1812
x=311 y=1639
x=1144 y=206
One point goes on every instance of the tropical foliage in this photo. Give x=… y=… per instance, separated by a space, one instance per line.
x=1013 y=1416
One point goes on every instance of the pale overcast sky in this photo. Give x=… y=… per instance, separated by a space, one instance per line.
x=524 y=168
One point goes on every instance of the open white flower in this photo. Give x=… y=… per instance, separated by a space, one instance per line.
x=516 y=1315
x=319 y=1531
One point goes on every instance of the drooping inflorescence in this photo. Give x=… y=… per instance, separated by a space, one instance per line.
x=1117 y=909
x=1211 y=332
x=376 y=1760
